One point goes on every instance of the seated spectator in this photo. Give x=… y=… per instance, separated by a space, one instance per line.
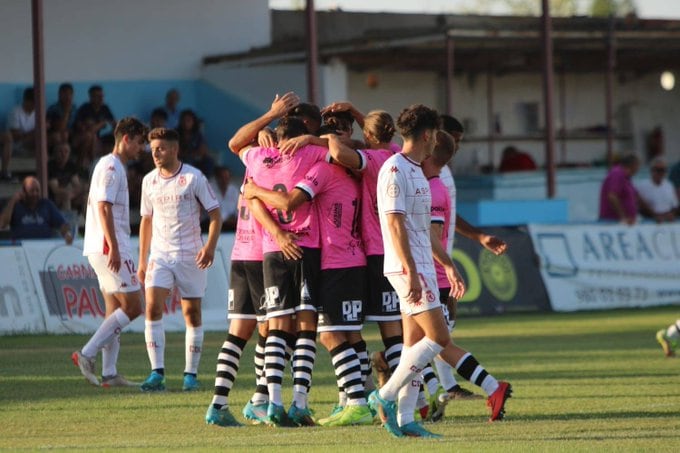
x=93 y=122
x=171 y=110
x=674 y=177
x=618 y=198
x=193 y=148
x=67 y=188
x=515 y=160
x=31 y=217
x=227 y=194
x=658 y=199
x=20 y=139
x=159 y=118
x=60 y=116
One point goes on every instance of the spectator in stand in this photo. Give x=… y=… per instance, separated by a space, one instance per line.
x=93 y=122
x=674 y=178
x=67 y=189
x=61 y=116
x=159 y=118
x=193 y=148
x=515 y=160
x=658 y=199
x=171 y=110
x=227 y=196
x=31 y=217
x=20 y=140
x=618 y=198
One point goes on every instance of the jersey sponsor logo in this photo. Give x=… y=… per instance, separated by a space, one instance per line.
x=393 y=190
x=271 y=294
x=269 y=162
x=351 y=310
x=336 y=214
x=422 y=190
x=390 y=301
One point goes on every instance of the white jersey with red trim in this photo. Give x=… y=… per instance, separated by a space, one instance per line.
x=174 y=204
x=108 y=184
x=403 y=189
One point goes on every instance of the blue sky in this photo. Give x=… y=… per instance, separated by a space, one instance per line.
x=649 y=9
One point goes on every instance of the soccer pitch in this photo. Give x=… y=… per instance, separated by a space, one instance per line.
x=582 y=382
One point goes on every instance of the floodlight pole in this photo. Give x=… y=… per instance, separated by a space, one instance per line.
x=609 y=89
x=312 y=54
x=39 y=88
x=450 y=61
x=548 y=87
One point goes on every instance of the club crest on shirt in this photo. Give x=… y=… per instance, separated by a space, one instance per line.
x=429 y=295
x=182 y=180
x=393 y=190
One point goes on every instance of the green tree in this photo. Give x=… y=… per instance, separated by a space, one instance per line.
x=601 y=8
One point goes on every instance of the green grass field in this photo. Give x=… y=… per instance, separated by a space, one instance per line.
x=582 y=382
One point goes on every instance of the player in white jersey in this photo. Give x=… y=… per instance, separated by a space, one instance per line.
x=172 y=253
x=404 y=210
x=107 y=247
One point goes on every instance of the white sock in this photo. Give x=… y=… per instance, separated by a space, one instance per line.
x=445 y=373
x=408 y=397
x=412 y=362
x=111 y=327
x=110 y=357
x=193 y=341
x=154 y=335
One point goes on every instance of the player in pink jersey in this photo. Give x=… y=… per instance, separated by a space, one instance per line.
x=107 y=246
x=342 y=280
x=383 y=304
x=404 y=205
x=290 y=284
x=172 y=252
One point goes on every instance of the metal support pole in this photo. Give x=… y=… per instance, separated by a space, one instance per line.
x=449 y=74
x=563 y=115
x=490 y=118
x=548 y=87
x=39 y=87
x=312 y=54
x=609 y=90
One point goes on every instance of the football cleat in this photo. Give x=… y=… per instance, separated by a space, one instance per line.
x=386 y=411
x=300 y=417
x=496 y=402
x=190 y=383
x=154 y=383
x=117 y=381
x=438 y=403
x=276 y=416
x=220 y=417
x=86 y=365
x=413 y=429
x=350 y=416
x=256 y=413
x=459 y=393
x=665 y=343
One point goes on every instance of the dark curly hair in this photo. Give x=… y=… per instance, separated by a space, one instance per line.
x=416 y=119
x=131 y=127
x=289 y=127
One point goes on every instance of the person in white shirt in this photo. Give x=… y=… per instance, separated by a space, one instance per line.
x=20 y=137
x=404 y=203
x=172 y=252
x=107 y=247
x=659 y=200
x=227 y=195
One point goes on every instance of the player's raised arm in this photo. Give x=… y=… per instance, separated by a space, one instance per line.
x=275 y=198
x=343 y=154
x=247 y=134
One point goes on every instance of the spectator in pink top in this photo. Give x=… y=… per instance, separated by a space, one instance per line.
x=618 y=198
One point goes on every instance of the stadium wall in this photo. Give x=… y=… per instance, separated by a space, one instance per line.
x=49 y=287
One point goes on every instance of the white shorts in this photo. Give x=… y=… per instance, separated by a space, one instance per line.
x=189 y=279
x=429 y=299
x=125 y=281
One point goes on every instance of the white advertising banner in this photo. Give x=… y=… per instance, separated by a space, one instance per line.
x=603 y=266
x=20 y=310
x=72 y=302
